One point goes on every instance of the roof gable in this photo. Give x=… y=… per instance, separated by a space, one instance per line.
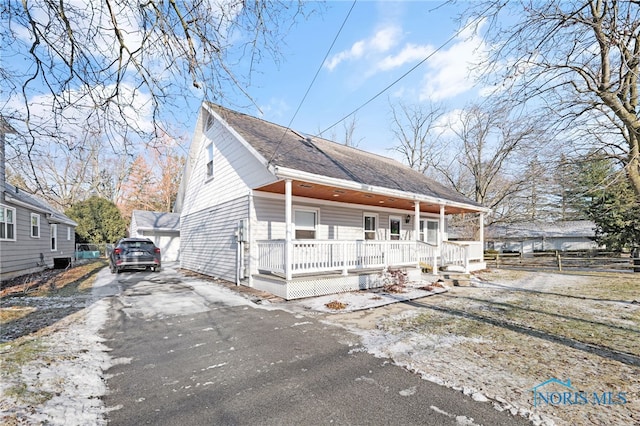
x=283 y=147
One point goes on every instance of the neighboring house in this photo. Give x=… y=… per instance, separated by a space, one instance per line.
x=33 y=235
x=161 y=228
x=529 y=237
x=267 y=207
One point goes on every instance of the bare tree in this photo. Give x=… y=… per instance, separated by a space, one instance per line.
x=581 y=61
x=349 y=128
x=125 y=65
x=417 y=131
x=487 y=156
x=70 y=170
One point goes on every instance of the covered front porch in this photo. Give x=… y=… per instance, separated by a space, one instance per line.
x=325 y=267
x=354 y=255
x=315 y=256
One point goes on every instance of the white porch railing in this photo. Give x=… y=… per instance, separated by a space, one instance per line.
x=461 y=253
x=314 y=256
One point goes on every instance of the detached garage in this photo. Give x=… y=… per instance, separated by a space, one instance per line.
x=161 y=228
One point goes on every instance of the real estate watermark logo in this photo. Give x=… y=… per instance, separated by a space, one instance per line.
x=556 y=392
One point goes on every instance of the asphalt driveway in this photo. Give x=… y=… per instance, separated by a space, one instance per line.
x=190 y=352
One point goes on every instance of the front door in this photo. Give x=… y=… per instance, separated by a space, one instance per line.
x=394 y=227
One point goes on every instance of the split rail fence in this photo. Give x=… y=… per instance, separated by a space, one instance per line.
x=559 y=261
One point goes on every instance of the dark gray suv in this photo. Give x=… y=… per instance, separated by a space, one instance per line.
x=134 y=253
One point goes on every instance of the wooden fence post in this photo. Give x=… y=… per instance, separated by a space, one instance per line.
x=559 y=260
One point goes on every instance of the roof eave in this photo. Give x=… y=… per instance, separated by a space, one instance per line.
x=53 y=216
x=288 y=173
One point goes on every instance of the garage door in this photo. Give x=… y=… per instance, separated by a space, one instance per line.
x=169 y=243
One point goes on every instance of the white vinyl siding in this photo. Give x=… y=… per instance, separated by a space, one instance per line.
x=236 y=171
x=335 y=222
x=7 y=223
x=207 y=239
x=35 y=225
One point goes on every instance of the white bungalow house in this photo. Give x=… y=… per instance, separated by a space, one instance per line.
x=270 y=208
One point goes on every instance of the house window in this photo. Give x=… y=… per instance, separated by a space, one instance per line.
x=431 y=234
x=370 y=226
x=68 y=233
x=305 y=222
x=7 y=223
x=35 y=225
x=54 y=237
x=209 y=161
x=209 y=122
x=394 y=228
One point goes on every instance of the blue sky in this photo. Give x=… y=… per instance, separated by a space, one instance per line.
x=378 y=44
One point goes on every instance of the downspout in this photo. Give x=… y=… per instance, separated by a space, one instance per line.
x=238 y=253
x=252 y=246
x=288 y=243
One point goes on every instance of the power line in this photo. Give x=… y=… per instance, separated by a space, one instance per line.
x=313 y=80
x=456 y=34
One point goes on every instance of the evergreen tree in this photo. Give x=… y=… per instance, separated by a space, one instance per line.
x=604 y=196
x=99 y=221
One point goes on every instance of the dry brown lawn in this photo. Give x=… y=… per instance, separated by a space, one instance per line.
x=514 y=330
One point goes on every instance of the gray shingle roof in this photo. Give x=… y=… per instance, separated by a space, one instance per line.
x=38 y=204
x=161 y=221
x=571 y=228
x=287 y=148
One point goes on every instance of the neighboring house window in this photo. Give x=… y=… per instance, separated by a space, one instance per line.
x=370 y=226
x=305 y=222
x=209 y=161
x=431 y=234
x=394 y=228
x=54 y=237
x=7 y=223
x=35 y=225
x=68 y=233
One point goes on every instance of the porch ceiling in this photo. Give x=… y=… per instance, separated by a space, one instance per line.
x=333 y=193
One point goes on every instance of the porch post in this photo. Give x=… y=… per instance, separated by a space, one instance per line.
x=481 y=236
x=416 y=230
x=441 y=233
x=416 y=220
x=288 y=242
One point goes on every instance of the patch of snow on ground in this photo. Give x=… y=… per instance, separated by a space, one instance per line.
x=356 y=301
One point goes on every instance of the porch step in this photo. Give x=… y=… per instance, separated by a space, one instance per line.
x=455 y=279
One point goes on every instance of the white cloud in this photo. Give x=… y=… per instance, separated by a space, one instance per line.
x=410 y=53
x=385 y=39
x=276 y=109
x=380 y=42
x=132 y=110
x=453 y=71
